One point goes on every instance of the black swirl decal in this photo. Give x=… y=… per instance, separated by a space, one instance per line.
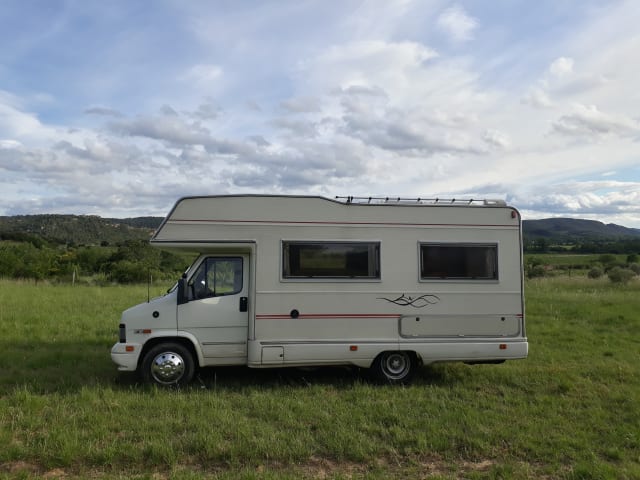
x=418 y=302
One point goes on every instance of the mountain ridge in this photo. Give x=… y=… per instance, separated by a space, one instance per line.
x=96 y=230
x=576 y=229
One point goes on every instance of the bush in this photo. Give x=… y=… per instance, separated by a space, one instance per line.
x=536 y=271
x=595 y=272
x=635 y=268
x=621 y=275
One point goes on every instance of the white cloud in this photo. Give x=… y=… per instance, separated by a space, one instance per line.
x=18 y=124
x=365 y=64
x=456 y=23
x=586 y=121
x=9 y=144
x=496 y=138
x=590 y=199
x=203 y=76
x=561 y=67
x=537 y=97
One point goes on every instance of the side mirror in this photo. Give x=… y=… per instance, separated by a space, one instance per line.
x=182 y=290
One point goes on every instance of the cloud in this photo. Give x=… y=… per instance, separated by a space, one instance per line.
x=297 y=127
x=103 y=112
x=207 y=111
x=63 y=161
x=586 y=121
x=176 y=132
x=370 y=91
x=301 y=105
x=364 y=64
x=336 y=98
x=16 y=124
x=168 y=110
x=414 y=106
x=561 y=67
x=203 y=74
x=613 y=200
x=9 y=144
x=496 y=138
x=399 y=131
x=537 y=97
x=561 y=81
x=457 y=24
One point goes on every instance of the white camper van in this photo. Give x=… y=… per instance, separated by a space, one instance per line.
x=386 y=284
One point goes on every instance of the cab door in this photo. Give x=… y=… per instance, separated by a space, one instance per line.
x=216 y=310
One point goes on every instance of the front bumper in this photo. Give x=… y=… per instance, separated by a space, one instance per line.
x=126 y=355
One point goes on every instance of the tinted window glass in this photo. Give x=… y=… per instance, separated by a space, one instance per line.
x=466 y=262
x=331 y=260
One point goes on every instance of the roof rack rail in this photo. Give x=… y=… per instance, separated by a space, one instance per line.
x=420 y=201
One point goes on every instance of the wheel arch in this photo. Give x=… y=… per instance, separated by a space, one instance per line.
x=187 y=341
x=384 y=375
x=415 y=356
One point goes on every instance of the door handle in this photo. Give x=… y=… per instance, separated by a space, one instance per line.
x=244 y=304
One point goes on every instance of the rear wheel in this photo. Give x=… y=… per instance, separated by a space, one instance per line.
x=394 y=367
x=168 y=364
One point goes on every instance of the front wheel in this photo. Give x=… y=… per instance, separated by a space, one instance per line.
x=167 y=365
x=394 y=367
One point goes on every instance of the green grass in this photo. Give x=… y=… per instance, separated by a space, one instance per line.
x=572 y=410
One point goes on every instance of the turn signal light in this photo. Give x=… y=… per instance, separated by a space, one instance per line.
x=353 y=348
x=503 y=346
x=129 y=348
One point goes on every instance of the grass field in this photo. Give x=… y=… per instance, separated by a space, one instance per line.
x=571 y=410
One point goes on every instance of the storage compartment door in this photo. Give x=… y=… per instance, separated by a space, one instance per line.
x=272 y=355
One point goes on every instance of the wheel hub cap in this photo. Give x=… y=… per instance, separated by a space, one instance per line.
x=168 y=367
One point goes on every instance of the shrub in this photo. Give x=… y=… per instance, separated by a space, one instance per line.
x=621 y=275
x=635 y=268
x=595 y=272
x=536 y=271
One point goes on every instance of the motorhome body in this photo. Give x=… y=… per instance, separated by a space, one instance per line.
x=307 y=281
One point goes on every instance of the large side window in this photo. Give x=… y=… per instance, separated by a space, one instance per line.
x=216 y=277
x=340 y=260
x=458 y=261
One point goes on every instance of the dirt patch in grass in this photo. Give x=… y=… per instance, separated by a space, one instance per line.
x=314 y=468
x=18 y=466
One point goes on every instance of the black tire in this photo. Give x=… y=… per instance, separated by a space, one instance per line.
x=168 y=364
x=396 y=367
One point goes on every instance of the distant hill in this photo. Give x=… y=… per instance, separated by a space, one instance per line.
x=78 y=229
x=94 y=230
x=572 y=229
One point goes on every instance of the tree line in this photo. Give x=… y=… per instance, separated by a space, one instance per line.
x=132 y=261
x=620 y=246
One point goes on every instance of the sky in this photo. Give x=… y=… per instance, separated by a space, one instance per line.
x=119 y=108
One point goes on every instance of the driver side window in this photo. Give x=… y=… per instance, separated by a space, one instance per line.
x=216 y=277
